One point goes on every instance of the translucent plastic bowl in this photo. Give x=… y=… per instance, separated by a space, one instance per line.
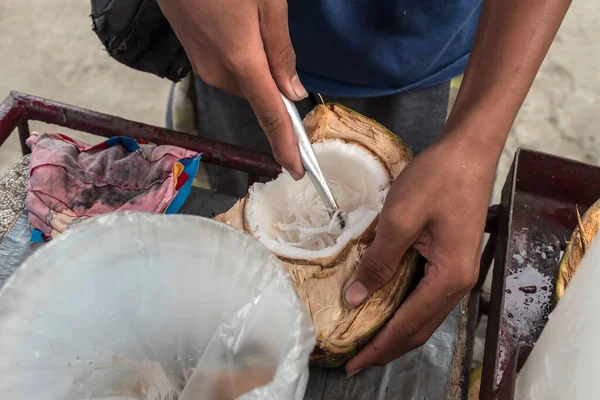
x=137 y=306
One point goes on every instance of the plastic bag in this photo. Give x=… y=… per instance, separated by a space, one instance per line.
x=140 y=306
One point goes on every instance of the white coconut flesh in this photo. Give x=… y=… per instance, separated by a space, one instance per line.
x=290 y=218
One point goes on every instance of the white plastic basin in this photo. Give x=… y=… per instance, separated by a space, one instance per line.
x=131 y=303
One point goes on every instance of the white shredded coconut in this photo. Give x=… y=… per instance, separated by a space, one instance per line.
x=305 y=222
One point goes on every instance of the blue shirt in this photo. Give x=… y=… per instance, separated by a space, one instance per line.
x=367 y=48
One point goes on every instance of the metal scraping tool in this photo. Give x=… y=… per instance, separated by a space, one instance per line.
x=311 y=165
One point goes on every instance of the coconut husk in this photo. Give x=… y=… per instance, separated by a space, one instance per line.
x=342 y=331
x=587 y=227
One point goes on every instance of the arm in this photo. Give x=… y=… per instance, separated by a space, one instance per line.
x=438 y=203
x=512 y=40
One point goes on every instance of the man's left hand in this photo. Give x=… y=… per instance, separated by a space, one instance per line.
x=438 y=206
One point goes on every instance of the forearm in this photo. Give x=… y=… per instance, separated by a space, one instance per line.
x=511 y=42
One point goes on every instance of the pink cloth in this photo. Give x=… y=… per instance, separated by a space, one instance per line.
x=70 y=180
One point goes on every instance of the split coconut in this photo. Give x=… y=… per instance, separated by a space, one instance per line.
x=587 y=227
x=360 y=160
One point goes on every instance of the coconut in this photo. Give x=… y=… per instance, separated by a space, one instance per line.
x=582 y=236
x=360 y=159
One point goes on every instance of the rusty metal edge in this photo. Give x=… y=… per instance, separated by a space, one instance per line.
x=507 y=386
x=490 y=357
x=10 y=115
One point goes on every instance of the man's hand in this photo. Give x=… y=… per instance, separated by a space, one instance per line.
x=244 y=47
x=437 y=205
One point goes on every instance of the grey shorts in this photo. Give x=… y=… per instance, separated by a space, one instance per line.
x=416 y=116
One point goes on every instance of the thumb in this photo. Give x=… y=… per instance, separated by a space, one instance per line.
x=379 y=264
x=280 y=53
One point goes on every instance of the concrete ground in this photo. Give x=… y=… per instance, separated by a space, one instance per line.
x=561 y=114
x=47 y=48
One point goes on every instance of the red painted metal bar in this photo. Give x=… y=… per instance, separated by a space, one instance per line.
x=23 y=128
x=19 y=108
x=10 y=115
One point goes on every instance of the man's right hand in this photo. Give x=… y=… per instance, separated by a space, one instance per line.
x=244 y=47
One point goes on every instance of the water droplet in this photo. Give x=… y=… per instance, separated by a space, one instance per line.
x=69 y=365
x=36 y=354
x=77 y=359
x=176 y=358
x=90 y=363
x=192 y=358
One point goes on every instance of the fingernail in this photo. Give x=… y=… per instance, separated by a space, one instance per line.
x=352 y=373
x=356 y=294
x=298 y=88
x=296 y=175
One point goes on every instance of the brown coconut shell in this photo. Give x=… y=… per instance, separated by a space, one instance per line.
x=342 y=331
x=584 y=233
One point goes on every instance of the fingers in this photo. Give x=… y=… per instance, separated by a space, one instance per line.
x=266 y=61
x=245 y=48
x=415 y=321
x=381 y=261
x=257 y=85
x=274 y=30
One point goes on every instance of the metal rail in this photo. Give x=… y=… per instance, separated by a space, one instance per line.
x=19 y=108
